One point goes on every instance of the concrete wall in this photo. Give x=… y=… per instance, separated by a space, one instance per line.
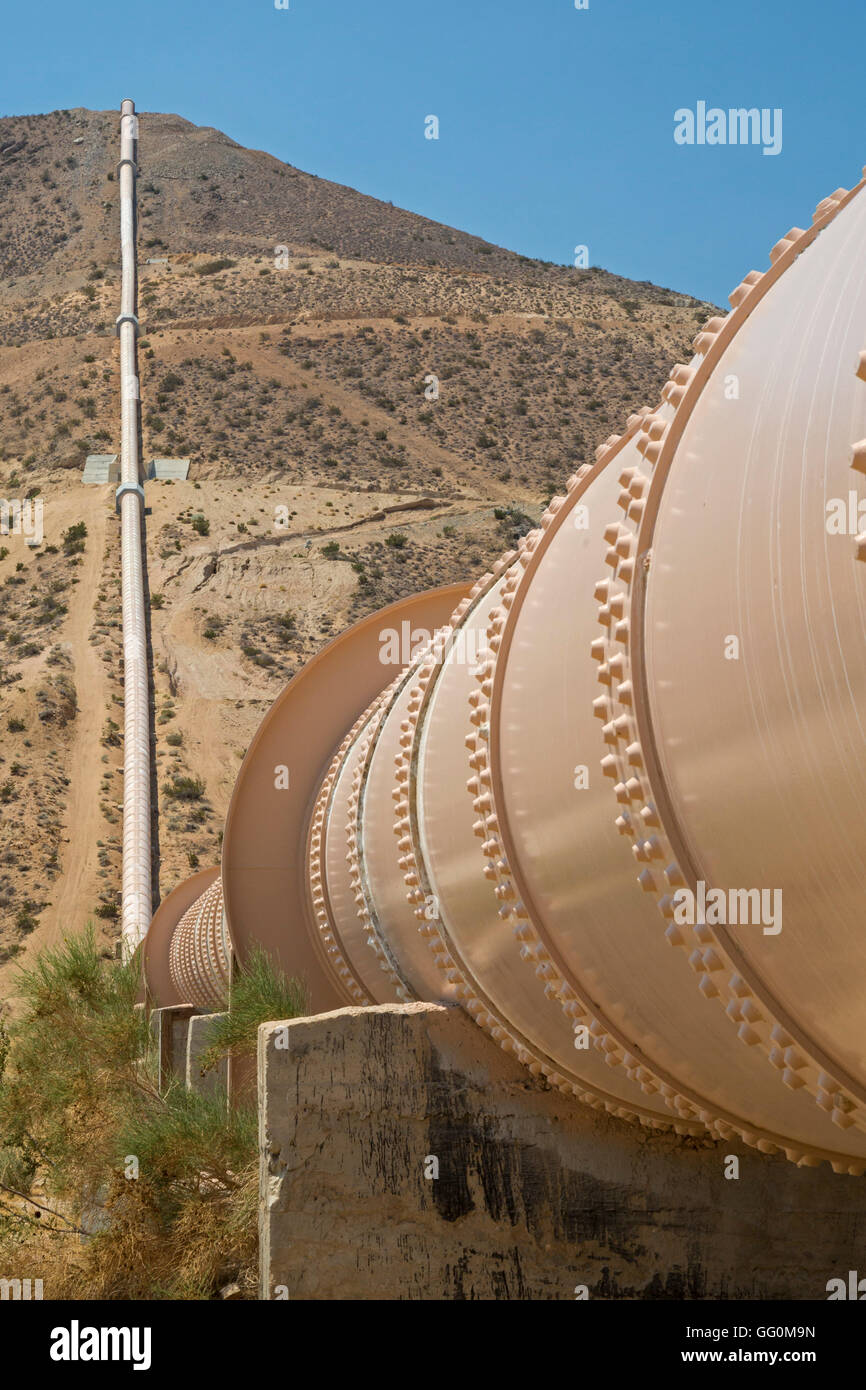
x=536 y=1195
x=181 y=1035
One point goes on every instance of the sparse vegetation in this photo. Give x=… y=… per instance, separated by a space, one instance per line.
x=260 y=993
x=74 y=539
x=184 y=789
x=181 y=1221
x=214 y=267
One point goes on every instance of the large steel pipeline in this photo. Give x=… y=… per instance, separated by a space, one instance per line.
x=614 y=806
x=137 y=904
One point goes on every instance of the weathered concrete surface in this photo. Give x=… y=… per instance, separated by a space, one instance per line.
x=181 y=1034
x=169 y=1029
x=535 y=1195
x=198 y=1040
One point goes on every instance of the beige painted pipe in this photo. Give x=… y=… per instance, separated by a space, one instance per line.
x=614 y=805
x=137 y=902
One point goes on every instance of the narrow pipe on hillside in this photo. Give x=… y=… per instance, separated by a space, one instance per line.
x=137 y=901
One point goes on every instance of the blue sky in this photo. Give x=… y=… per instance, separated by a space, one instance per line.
x=556 y=124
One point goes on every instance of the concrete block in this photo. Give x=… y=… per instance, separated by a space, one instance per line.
x=100 y=469
x=197 y=1041
x=176 y=469
x=536 y=1196
x=169 y=1029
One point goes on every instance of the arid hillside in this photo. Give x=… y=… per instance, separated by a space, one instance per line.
x=371 y=403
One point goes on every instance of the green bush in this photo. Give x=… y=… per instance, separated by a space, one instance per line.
x=184 y=789
x=79 y=1100
x=260 y=993
x=73 y=539
x=26 y=919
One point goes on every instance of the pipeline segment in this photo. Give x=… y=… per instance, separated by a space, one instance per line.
x=137 y=901
x=658 y=696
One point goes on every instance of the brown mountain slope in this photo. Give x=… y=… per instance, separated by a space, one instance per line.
x=325 y=480
x=202 y=192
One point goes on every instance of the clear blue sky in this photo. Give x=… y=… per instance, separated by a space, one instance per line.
x=556 y=125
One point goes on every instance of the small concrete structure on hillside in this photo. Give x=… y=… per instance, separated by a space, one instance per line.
x=174 y=470
x=100 y=469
